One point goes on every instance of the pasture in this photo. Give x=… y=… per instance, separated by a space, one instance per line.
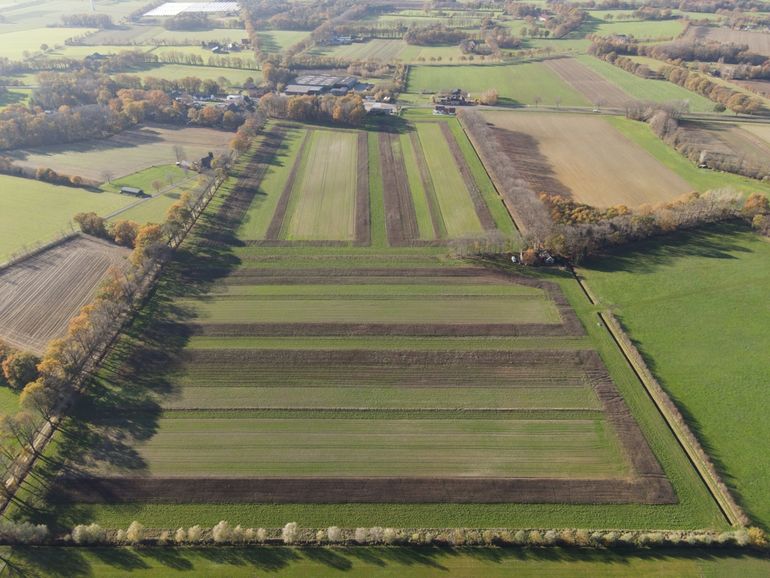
x=19 y=44
x=279 y=40
x=19 y=16
x=647 y=89
x=322 y=205
x=38 y=296
x=390 y=50
x=127 y=152
x=35 y=212
x=716 y=368
x=518 y=83
x=585 y=158
x=640 y=29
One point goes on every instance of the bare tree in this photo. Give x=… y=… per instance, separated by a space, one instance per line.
x=180 y=153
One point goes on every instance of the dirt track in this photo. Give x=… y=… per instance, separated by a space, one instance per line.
x=40 y=295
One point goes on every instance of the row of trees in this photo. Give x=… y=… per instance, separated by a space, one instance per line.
x=724 y=96
x=292 y=534
x=347 y=110
x=88 y=20
x=434 y=34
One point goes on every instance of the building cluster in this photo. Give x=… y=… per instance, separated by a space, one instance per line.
x=314 y=84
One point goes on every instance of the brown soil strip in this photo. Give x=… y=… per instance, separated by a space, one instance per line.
x=362 y=490
x=439 y=228
x=400 y=215
x=482 y=210
x=242 y=195
x=590 y=84
x=363 y=214
x=276 y=223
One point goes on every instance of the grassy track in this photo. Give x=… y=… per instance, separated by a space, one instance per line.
x=520 y=83
x=383 y=562
x=711 y=287
x=454 y=200
x=376 y=202
x=324 y=207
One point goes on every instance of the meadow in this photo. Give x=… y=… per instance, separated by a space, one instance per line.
x=53 y=208
x=127 y=152
x=518 y=83
x=692 y=303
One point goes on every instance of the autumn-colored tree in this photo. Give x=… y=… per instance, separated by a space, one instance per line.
x=92 y=224
x=529 y=257
x=39 y=397
x=148 y=241
x=124 y=232
x=19 y=369
x=756 y=204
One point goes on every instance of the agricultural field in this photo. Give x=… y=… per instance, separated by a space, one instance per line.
x=519 y=83
x=585 y=158
x=19 y=44
x=740 y=141
x=385 y=50
x=716 y=368
x=231 y=76
x=640 y=29
x=262 y=377
x=27 y=16
x=35 y=212
x=646 y=89
x=428 y=180
x=39 y=295
x=595 y=88
x=127 y=152
x=758 y=42
x=280 y=40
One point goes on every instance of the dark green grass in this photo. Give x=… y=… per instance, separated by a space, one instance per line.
x=698 y=305
x=380 y=563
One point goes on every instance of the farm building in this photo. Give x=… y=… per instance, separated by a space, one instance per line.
x=312 y=84
x=136 y=192
x=380 y=108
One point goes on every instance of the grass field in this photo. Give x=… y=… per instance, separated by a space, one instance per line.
x=699 y=179
x=715 y=367
x=15 y=45
x=519 y=83
x=455 y=204
x=641 y=29
x=388 y=50
x=233 y=76
x=586 y=158
x=322 y=205
x=382 y=562
x=127 y=152
x=26 y=16
x=646 y=89
x=34 y=211
x=279 y=40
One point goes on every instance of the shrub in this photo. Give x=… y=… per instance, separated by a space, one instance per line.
x=289 y=533
x=195 y=534
x=334 y=534
x=221 y=532
x=135 y=533
x=91 y=534
x=361 y=535
x=180 y=536
x=390 y=535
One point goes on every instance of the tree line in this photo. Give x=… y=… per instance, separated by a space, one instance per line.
x=346 y=110
x=724 y=96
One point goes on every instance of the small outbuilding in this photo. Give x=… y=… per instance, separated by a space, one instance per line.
x=132 y=191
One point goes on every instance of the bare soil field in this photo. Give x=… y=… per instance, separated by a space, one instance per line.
x=758 y=42
x=127 y=152
x=597 y=89
x=584 y=157
x=40 y=295
x=761 y=87
x=736 y=141
x=400 y=215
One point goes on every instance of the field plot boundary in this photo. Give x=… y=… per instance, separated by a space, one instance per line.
x=647 y=484
x=439 y=227
x=276 y=224
x=482 y=210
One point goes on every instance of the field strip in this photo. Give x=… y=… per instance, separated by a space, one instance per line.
x=234 y=208
x=400 y=215
x=482 y=210
x=423 y=216
x=439 y=227
x=359 y=490
x=597 y=89
x=276 y=224
x=455 y=204
x=363 y=219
